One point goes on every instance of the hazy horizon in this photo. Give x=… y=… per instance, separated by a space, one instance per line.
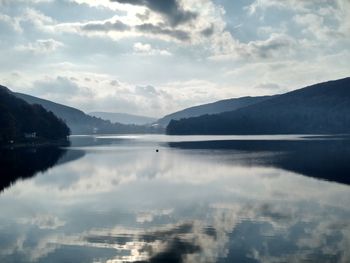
x=152 y=58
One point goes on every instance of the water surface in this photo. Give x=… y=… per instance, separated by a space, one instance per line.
x=199 y=199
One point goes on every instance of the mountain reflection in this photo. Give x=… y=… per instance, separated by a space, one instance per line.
x=320 y=158
x=228 y=201
x=24 y=163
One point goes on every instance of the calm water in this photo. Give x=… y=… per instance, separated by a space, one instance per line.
x=199 y=199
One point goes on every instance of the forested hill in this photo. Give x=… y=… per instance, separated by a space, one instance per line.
x=20 y=120
x=78 y=121
x=320 y=109
x=212 y=108
x=81 y=123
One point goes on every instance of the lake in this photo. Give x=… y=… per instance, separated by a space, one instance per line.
x=198 y=199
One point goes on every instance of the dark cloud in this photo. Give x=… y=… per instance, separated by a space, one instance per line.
x=107 y=26
x=267 y=49
x=209 y=31
x=275 y=46
x=144 y=16
x=147 y=28
x=170 y=9
x=114 y=83
x=159 y=30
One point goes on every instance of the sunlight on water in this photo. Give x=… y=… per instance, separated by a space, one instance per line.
x=115 y=199
x=173 y=138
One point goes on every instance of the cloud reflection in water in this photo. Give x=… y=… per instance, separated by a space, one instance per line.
x=131 y=204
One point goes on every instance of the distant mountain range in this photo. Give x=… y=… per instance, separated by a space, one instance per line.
x=321 y=109
x=81 y=123
x=124 y=118
x=212 y=108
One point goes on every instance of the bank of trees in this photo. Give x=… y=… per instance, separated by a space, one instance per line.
x=19 y=119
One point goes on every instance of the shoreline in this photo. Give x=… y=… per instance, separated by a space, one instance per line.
x=19 y=145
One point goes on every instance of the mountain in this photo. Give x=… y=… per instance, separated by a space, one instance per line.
x=124 y=118
x=212 y=108
x=320 y=109
x=81 y=123
x=21 y=122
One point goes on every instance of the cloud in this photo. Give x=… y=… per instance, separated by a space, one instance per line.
x=139 y=20
x=24 y=18
x=149 y=216
x=296 y=5
x=160 y=30
x=60 y=85
x=139 y=29
x=41 y=46
x=107 y=26
x=276 y=46
x=209 y=31
x=314 y=25
x=272 y=87
x=147 y=91
x=147 y=49
x=10 y=22
x=131 y=42
x=44 y=221
x=8 y=2
x=170 y=9
x=101 y=92
x=321 y=18
x=38 y=19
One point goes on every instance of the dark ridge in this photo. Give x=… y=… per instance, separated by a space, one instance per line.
x=22 y=122
x=318 y=109
x=212 y=108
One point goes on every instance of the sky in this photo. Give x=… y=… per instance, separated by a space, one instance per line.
x=154 y=57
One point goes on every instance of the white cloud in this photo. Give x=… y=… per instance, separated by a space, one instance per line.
x=13 y=23
x=312 y=14
x=147 y=49
x=44 y=221
x=38 y=19
x=295 y=5
x=203 y=59
x=27 y=15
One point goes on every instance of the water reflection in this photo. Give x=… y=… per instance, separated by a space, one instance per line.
x=192 y=202
x=325 y=158
x=24 y=163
